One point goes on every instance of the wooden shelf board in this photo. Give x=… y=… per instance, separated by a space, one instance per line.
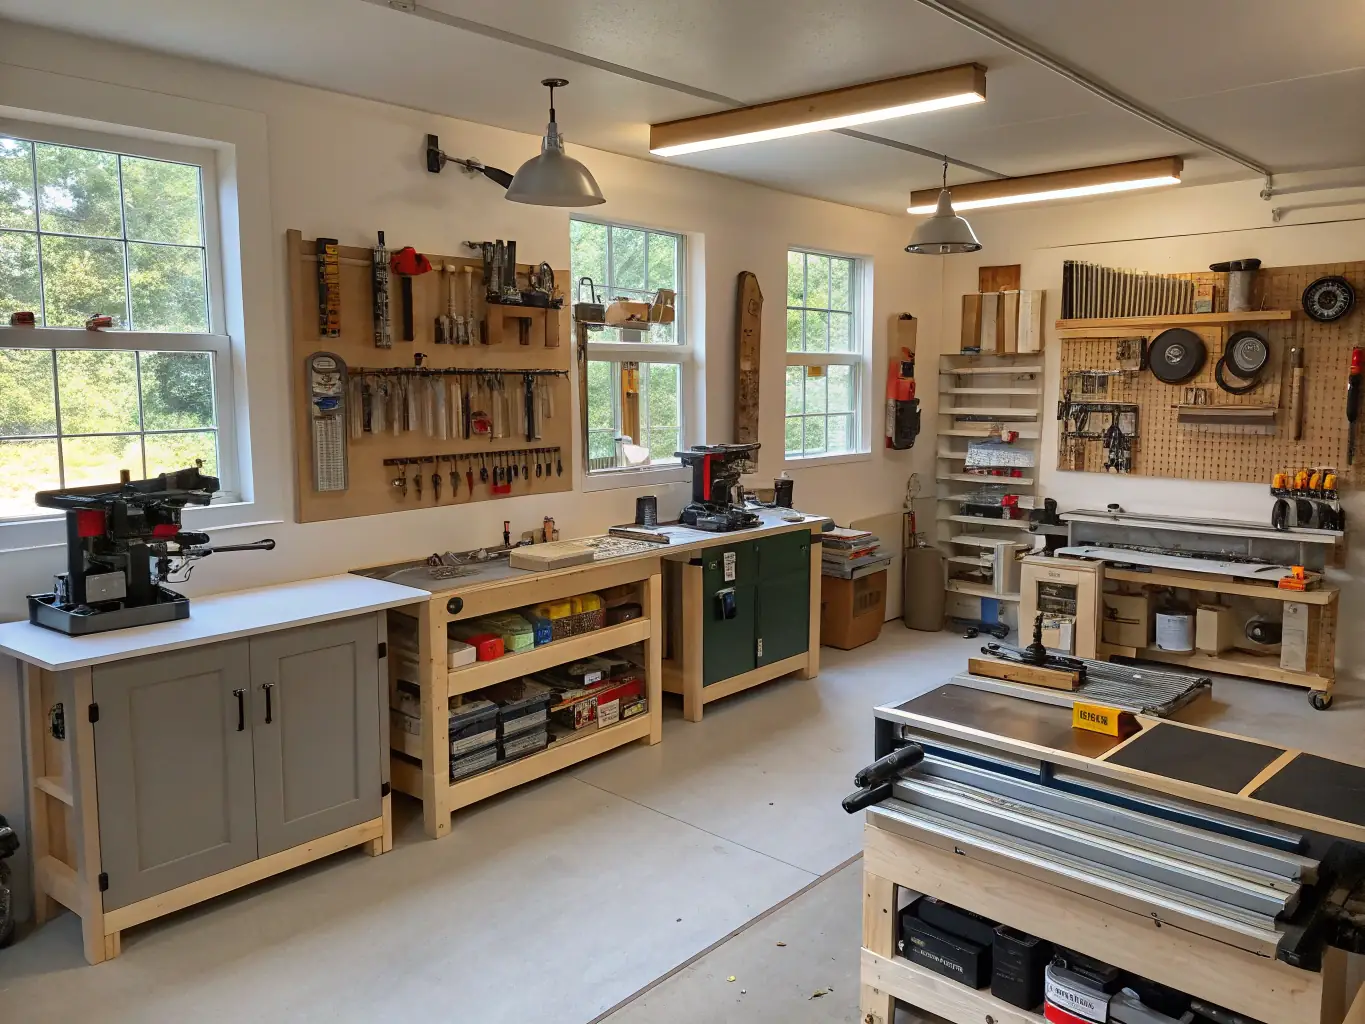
x=990 y=391
x=925 y=990
x=976 y=560
x=978 y=590
x=55 y=788
x=1238 y=663
x=979 y=478
x=1221 y=585
x=1025 y=433
x=579 y=746
x=977 y=540
x=958 y=456
x=1176 y=320
x=1009 y=524
x=1000 y=412
x=537 y=659
x=1016 y=369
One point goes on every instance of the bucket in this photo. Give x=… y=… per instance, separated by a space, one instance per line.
x=1175 y=631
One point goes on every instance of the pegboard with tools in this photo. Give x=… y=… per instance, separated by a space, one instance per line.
x=1216 y=421
x=482 y=383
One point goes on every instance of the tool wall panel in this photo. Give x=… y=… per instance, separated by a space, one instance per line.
x=368 y=487
x=1246 y=451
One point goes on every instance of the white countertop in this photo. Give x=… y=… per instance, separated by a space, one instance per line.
x=213 y=618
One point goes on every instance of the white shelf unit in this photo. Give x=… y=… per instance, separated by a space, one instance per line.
x=977 y=394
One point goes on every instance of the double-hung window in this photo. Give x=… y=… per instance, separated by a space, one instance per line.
x=96 y=226
x=826 y=355
x=638 y=381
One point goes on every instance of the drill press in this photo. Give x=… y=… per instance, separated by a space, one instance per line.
x=123 y=541
x=717 y=498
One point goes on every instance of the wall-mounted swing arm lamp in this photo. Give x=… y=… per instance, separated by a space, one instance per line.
x=552 y=178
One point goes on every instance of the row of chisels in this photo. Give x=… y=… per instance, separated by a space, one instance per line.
x=446 y=404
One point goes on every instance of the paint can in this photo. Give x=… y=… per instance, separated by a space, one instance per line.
x=1175 y=631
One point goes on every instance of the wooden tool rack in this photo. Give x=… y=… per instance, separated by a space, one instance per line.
x=371 y=460
x=1031 y=900
x=499 y=588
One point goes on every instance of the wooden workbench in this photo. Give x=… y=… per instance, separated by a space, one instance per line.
x=156 y=758
x=495 y=586
x=1200 y=766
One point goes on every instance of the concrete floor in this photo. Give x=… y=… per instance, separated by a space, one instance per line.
x=563 y=900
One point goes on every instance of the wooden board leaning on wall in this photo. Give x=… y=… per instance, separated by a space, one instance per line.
x=370 y=490
x=1174 y=450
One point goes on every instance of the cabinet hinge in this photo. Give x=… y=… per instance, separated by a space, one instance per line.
x=94 y=713
x=104 y=881
x=385 y=789
x=383 y=650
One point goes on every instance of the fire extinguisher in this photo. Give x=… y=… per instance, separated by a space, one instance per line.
x=902 y=407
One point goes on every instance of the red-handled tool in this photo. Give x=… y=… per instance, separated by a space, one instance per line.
x=1354 y=383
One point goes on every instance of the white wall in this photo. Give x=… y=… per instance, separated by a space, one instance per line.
x=335 y=165
x=1172 y=232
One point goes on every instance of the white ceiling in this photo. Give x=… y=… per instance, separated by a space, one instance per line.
x=1281 y=83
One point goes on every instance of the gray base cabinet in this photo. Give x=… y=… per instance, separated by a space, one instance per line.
x=208 y=758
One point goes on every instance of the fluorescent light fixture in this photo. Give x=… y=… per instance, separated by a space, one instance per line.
x=1037 y=188
x=822 y=111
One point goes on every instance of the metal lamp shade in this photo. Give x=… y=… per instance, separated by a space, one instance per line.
x=944 y=232
x=553 y=178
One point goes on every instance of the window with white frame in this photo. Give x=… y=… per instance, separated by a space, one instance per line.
x=637 y=380
x=825 y=355
x=95 y=226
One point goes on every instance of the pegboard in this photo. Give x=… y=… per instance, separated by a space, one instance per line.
x=370 y=489
x=1167 y=448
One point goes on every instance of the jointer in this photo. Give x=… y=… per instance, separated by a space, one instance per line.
x=1222 y=866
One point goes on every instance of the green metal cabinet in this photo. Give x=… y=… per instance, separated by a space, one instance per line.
x=769 y=580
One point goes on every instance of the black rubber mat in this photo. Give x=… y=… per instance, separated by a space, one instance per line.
x=1204 y=759
x=1318 y=786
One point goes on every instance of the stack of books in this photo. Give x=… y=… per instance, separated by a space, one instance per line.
x=848 y=554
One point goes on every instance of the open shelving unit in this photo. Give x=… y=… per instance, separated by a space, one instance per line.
x=980 y=395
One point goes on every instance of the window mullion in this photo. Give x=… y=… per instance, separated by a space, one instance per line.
x=57 y=417
x=127 y=277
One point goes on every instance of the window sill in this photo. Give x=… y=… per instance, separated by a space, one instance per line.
x=645 y=476
x=49 y=531
x=812 y=461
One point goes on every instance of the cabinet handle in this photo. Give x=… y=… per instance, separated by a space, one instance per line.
x=269 y=713
x=241 y=709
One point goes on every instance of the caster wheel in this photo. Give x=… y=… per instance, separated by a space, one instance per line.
x=1320 y=699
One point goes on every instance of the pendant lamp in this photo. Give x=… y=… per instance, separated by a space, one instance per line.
x=944 y=232
x=554 y=178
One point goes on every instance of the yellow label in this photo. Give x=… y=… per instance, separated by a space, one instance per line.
x=1096 y=718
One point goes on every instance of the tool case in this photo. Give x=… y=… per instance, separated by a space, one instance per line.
x=522 y=704
x=523 y=743
x=942 y=952
x=473 y=725
x=1018 y=962
x=949 y=918
x=473 y=763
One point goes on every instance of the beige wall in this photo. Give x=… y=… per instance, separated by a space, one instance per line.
x=334 y=165
x=1178 y=231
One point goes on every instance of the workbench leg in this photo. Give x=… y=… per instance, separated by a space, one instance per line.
x=435 y=685
x=692 y=642
x=113 y=945
x=1333 y=979
x=35 y=733
x=812 y=668
x=383 y=843
x=654 y=652
x=876 y=1006
x=85 y=817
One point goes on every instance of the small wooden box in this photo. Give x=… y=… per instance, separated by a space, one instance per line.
x=1215 y=629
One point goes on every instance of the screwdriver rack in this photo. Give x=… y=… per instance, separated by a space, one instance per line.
x=496 y=471
x=499 y=365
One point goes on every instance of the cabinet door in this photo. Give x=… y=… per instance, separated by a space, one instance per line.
x=729 y=573
x=315 y=719
x=173 y=769
x=783 y=628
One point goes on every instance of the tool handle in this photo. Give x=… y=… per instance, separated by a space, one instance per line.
x=889 y=766
x=862 y=798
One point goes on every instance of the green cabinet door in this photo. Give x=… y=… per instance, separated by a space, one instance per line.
x=783 y=597
x=728 y=647
x=783 y=555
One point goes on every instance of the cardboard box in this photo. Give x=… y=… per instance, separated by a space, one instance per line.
x=1127 y=620
x=1215 y=629
x=852 y=611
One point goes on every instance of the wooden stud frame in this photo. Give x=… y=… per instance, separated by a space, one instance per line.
x=370 y=491
x=1166 y=448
